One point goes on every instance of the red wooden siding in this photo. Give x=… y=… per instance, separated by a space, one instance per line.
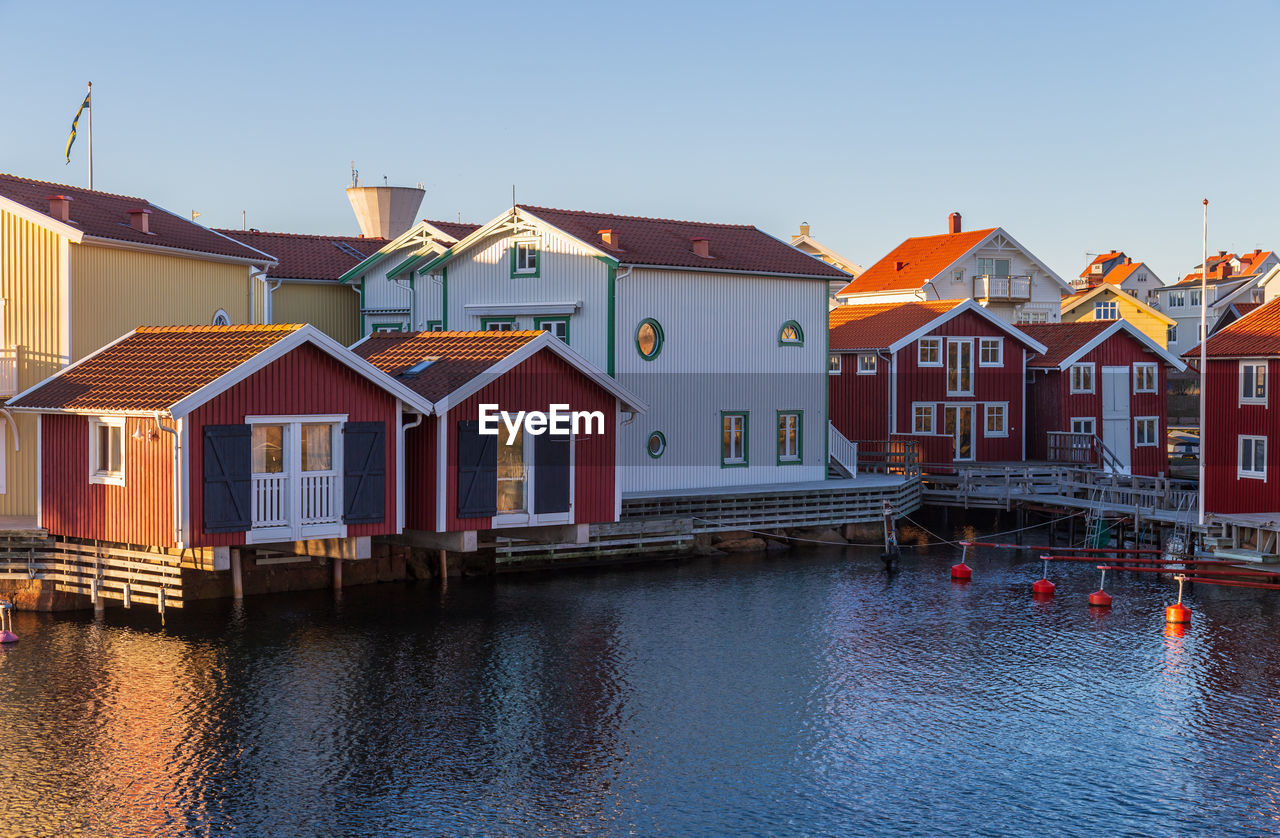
x=420 y=476
x=535 y=384
x=305 y=381
x=859 y=404
x=139 y=512
x=1226 y=420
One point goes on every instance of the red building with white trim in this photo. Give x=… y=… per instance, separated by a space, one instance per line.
x=947 y=374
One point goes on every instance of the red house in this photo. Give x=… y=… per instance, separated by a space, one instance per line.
x=1240 y=440
x=1097 y=396
x=526 y=481
x=214 y=436
x=947 y=374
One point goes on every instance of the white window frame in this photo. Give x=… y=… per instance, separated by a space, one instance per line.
x=1110 y=307
x=108 y=478
x=292 y=470
x=1138 y=421
x=932 y=409
x=1003 y=407
x=1092 y=422
x=961 y=342
x=740 y=458
x=1195 y=298
x=1177 y=299
x=791 y=435
x=1241 y=471
x=1093 y=378
x=526 y=246
x=935 y=344
x=834 y=368
x=984 y=344
x=1255 y=364
x=1143 y=369
x=862 y=359
x=221 y=318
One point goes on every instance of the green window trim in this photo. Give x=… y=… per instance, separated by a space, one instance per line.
x=381 y=326
x=799 y=460
x=486 y=321
x=539 y=323
x=746 y=439
x=659 y=338
x=662 y=443
x=435 y=325
x=537 y=267
x=790 y=324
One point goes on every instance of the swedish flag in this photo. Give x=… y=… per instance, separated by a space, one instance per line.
x=83 y=107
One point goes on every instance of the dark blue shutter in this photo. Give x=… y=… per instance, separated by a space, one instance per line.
x=551 y=474
x=477 y=472
x=364 y=472
x=228 y=478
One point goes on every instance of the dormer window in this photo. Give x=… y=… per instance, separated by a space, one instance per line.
x=524 y=258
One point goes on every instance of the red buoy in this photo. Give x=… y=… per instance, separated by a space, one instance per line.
x=961 y=572
x=1043 y=587
x=1100 y=599
x=1177 y=613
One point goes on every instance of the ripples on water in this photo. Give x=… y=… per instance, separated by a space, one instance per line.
x=807 y=694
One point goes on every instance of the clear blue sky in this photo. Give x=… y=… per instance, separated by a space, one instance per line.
x=1076 y=126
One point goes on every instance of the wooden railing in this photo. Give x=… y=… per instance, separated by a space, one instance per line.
x=8 y=372
x=1081 y=449
x=319 y=499
x=842 y=450
x=895 y=456
x=270 y=501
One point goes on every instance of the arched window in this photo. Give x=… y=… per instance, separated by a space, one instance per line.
x=791 y=334
x=221 y=318
x=649 y=338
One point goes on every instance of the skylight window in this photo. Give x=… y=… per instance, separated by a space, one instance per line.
x=417 y=368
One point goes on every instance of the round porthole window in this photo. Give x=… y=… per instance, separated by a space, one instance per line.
x=657 y=444
x=649 y=338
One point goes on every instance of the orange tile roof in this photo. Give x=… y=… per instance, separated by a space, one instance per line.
x=153 y=368
x=1103 y=258
x=1062 y=339
x=916 y=261
x=1249 y=265
x=1256 y=334
x=867 y=327
x=1121 y=272
x=461 y=356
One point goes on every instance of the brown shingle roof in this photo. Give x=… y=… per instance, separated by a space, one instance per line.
x=303 y=256
x=460 y=356
x=153 y=368
x=872 y=327
x=106 y=216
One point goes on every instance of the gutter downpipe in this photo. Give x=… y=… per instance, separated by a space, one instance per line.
x=178 y=476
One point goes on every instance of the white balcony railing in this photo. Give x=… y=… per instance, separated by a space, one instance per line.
x=319 y=500
x=987 y=287
x=8 y=372
x=843 y=451
x=270 y=501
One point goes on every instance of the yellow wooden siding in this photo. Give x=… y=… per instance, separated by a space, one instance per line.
x=1152 y=327
x=333 y=309
x=30 y=271
x=114 y=290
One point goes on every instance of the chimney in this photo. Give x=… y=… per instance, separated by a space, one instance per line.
x=1221 y=253
x=897 y=266
x=701 y=247
x=1128 y=261
x=139 y=220
x=610 y=238
x=953 y=222
x=1226 y=270
x=804 y=229
x=59 y=206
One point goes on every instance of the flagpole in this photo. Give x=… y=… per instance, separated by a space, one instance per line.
x=89 y=134
x=1204 y=301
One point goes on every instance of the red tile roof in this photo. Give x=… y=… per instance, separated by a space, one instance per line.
x=1121 y=272
x=660 y=241
x=1103 y=258
x=460 y=356
x=1062 y=339
x=916 y=261
x=456 y=229
x=1244 y=308
x=106 y=216
x=1257 y=334
x=303 y=256
x=1250 y=264
x=873 y=327
x=153 y=368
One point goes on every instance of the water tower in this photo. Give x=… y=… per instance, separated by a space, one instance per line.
x=384 y=212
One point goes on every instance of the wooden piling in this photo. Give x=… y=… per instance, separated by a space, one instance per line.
x=237 y=578
x=337 y=573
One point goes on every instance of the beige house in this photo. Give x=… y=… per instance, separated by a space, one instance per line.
x=78 y=269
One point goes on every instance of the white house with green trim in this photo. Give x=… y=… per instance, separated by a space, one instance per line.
x=721 y=329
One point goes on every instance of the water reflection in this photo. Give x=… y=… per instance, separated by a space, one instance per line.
x=804 y=694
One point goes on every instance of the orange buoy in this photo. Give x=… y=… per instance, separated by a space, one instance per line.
x=1042 y=587
x=1177 y=613
x=1100 y=599
x=961 y=572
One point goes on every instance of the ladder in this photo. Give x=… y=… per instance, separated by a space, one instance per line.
x=1095 y=524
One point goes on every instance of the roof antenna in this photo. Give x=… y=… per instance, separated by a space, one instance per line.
x=385 y=182
x=355 y=175
x=513 y=194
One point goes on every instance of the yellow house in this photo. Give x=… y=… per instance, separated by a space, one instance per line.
x=818 y=250
x=78 y=269
x=1110 y=302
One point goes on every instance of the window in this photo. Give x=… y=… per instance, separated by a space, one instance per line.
x=866 y=364
x=1253 y=382
x=1109 y=310
x=1144 y=378
x=511 y=474
x=1083 y=425
x=993 y=267
x=957 y=276
x=1173 y=334
x=317 y=446
x=1145 y=429
x=833 y=364
x=1195 y=297
x=497 y=324
x=106 y=451
x=649 y=338
x=1253 y=457
x=657 y=444
x=221 y=318
x=922 y=422
x=733 y=442
x=791 y=334
x=435 y=325
x=397 y=326
x=997 y=420
x=1082 y=378
x=524 y=259
x=790 y=424
x=929 y=353
x=1177 y=299
x=991 y=352
x=1033 y=316
x=557 y=326
x=268 y=449
x=960 y=367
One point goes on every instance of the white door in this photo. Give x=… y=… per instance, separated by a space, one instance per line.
x=1115 y=414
